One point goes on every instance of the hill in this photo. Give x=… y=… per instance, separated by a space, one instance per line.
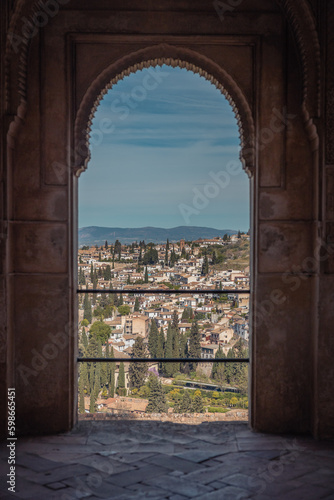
x=95 y=235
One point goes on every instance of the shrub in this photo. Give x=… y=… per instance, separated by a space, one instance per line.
x=211 y=409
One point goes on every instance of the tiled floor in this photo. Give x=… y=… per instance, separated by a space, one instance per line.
x=154 y=460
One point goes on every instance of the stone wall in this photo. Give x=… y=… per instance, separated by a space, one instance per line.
x=272 y=58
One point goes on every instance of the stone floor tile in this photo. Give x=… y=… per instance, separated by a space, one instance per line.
x=129 y=458
x=35 y=462
x=174 y=463
x=137 y=476
x=95 y=484
x=306 y=492
x=56 y=486
x=177 y=497
x=265 y=455
x=179 y=486
x=278 y=487
x=199 y=455
x=241 y=481
x=320 y=476
x=105 y=464
x=208 y=475
x=217 y=485
x=61 y=473
x=144 y=489
x=226 y=493
x=176 y=473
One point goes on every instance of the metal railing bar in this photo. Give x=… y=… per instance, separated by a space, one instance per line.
x=158 y=291
x=163 y=360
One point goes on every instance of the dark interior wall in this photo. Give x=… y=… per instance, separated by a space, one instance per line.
x=254 y=50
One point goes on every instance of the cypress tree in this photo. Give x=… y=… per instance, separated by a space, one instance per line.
x=194 y=344
x=166 y=253
x=197 y=405
x=146 y=275
x=218 y=369
x=175 y=320
x=160 y=349
x=161 y=343
x=173 y=258
x=185 y=404
x=81 y=396
x=176 y=349
x=168 y=367
x=153 y=339
x=120 y=302
x=111 y=375
x=92 y=402
x=137 y=305
x=87 y=309
x=121 y=380
x=205 y=266
x=104 y=371
x=157 y=399
x=138 y=371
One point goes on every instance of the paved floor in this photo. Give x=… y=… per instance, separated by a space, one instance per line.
x=155 y=460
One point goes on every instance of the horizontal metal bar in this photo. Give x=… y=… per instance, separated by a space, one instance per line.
x=157 y=291
x=163 y=360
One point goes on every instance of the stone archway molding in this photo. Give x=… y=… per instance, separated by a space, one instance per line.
x=299 y=16
x=157 y=56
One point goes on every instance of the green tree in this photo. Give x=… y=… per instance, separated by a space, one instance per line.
x=175 y=320
x=173 y=258
x=161 y=344
x=111 y=373
x=87 y=309
x=184 y=405
x=121 y=380
x=175 y=367
x=136 y=308
x=92 y=402
x=81 y=396
x=138 y=371
x=100 y=331
x=153 y=339
x=218 y=369
x=107 y=273
x=146 y=276
x=151 y=257
x=157 y=399
x=194 y=342
x=84 y=338
x=124 y=310
x=197 y=404
x=166 y=253
x=205 y=266
x=168 y=367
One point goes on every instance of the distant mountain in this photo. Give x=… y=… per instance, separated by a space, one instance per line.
x=94 y=235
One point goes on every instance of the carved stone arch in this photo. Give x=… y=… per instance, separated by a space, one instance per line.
x=157 y=56
x=303 y=26
x=299 y=16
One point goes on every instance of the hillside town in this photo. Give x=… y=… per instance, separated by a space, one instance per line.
x=194 y=323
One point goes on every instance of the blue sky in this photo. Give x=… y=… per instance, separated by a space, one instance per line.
x=165 y=153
